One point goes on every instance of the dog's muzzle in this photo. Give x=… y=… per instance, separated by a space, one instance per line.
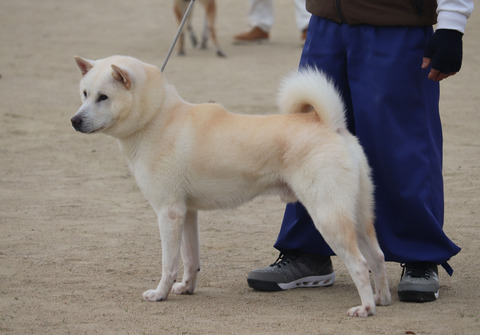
x=81 y=124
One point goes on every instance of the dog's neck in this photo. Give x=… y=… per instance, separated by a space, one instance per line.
x=158 y=127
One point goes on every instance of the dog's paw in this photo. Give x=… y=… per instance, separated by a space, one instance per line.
x=361 y=311
x=153 y=295
x=182 y=288
x=383 y=298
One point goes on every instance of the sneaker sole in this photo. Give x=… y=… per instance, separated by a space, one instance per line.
x=417 y=296
x=313 y=281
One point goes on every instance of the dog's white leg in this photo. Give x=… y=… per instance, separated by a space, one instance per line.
x=367 y=236
x=358 y=269
x=344 y=244
x=376 y=263
x=338 y=230
x=170 y=220
x=190 y=252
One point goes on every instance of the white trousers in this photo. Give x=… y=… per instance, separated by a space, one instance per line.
x=261 y=14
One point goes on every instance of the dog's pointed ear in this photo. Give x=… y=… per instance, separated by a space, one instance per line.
x=122 y=76
x=84 y=65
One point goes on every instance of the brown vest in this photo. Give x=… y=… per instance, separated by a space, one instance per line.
x=376 y=12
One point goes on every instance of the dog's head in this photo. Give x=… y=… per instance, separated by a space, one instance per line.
x=115 y=94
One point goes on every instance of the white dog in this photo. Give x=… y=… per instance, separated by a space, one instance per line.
x=189 y=157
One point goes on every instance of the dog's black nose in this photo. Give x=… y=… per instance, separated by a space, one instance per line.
x=76 y=122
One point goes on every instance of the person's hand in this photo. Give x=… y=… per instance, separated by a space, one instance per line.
x=444 y=53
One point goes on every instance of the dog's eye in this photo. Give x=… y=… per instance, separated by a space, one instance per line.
x=85 y=94
x=102 y=97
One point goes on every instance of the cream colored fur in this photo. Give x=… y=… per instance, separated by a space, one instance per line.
x=189 y=157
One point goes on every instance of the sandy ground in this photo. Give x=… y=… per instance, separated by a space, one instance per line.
x=79 y=244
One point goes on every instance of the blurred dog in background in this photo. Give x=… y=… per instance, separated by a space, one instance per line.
x=180 y=7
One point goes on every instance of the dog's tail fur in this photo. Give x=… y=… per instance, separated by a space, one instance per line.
x=308 y=87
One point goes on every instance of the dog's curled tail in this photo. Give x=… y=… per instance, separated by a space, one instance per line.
x=308 y=87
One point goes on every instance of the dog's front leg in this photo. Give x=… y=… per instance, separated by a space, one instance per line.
x=190 y=252
x=170 y=221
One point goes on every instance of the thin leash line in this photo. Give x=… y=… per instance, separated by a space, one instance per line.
x=179 y=31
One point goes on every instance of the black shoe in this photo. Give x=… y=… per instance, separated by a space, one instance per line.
x=293 y=271
x=419 y=282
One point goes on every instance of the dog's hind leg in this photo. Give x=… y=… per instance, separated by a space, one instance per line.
x=376 y=262
x=190 y=252
x=345 y=245
x=210 y=10
x=170 y=221
x=337 y=226
x=367 y=236
x=179 y=10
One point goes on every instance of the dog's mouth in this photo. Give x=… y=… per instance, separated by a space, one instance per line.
x=95 y=130
x=88 y=131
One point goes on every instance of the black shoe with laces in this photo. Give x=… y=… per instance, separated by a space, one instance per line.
x=293 y=270
x=419 y=282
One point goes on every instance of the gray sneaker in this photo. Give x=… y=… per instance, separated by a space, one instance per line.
x=292 y=271
x=419 y=282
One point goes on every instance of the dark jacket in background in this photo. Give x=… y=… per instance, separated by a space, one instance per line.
x=376 y=12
